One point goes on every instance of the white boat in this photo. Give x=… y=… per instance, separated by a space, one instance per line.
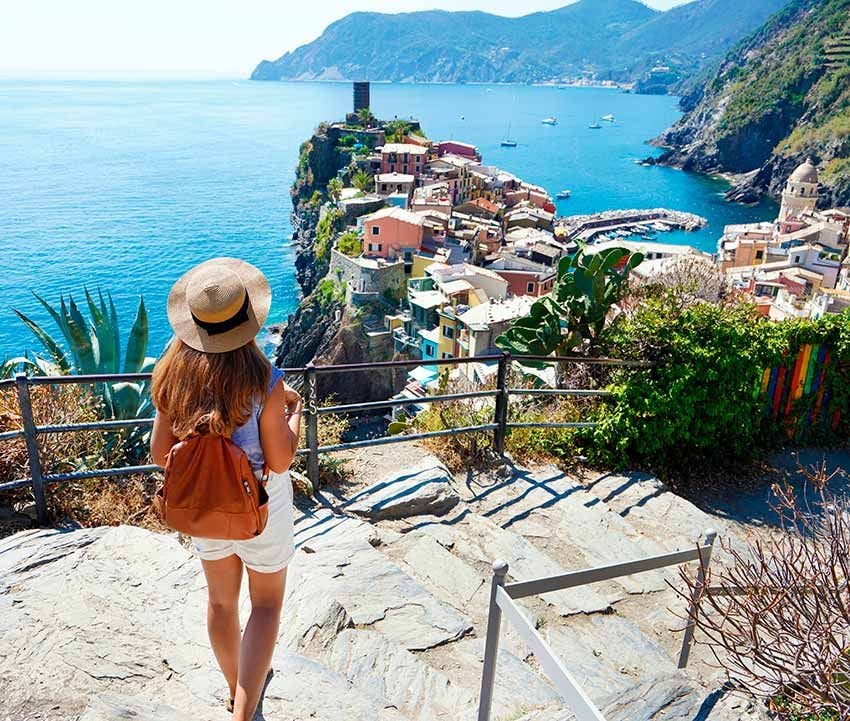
x=506 y=141
x=549 y=121
x=562 y=195
x=608 y=118
x=594 y=126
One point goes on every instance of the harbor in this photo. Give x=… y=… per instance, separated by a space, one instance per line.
x=612 y=224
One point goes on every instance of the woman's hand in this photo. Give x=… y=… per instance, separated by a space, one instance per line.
x=292 y=399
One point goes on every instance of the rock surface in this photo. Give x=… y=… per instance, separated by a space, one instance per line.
x=383 y=620
x=425 y=489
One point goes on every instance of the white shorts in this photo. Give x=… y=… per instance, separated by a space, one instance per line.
x=274 y=548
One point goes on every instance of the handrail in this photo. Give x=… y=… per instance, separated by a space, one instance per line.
x=503 y=598
x=500 y=425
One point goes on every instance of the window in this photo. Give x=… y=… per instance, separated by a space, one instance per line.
x=448 y=331
x=392 y=168
x=446 y=355
x=796 y=259
x=529 y=288
x=759 y=254
x=376 y=230
x=404 y=169
x=375 y=247
x=429 y=351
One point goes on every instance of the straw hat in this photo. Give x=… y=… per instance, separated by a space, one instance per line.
x=219 y=305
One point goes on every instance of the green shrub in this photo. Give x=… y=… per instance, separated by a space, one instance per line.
x=702 y=401
x=350 y=244
x=330 y=291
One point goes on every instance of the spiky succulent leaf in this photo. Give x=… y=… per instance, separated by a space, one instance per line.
x=50 y=345
x=138 y=342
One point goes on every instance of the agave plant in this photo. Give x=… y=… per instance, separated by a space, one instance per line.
x=94 y=347
x=574 y=313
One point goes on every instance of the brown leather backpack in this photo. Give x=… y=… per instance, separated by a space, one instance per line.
x=210 y=490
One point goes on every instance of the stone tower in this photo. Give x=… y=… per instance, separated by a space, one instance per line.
x=801 y=191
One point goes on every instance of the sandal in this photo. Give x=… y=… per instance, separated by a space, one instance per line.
x=229 y=705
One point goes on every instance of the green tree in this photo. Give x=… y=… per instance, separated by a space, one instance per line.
x=364 y=115
x=574 y=313
x=350 y=244
x=335 y=189
x=397 y=130
x=362 y=181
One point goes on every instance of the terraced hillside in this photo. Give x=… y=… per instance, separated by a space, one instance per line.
x=779 y=97
x=385 y=613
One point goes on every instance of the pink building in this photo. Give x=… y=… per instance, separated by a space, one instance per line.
x=453 y=147
x=403 y=158
x=393 y=233
x=536 y=196
x=528 y=282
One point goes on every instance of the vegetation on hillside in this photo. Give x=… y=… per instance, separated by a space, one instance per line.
x=615 y=39
x=779 y=96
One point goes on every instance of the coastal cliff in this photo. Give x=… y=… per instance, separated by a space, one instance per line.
x=324 y=329
x=319 y=160
x=778 y=98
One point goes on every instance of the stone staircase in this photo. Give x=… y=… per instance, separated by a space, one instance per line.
x=385 y=612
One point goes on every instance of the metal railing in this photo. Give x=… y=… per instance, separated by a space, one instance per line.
x=499 y=426
x=503 y=600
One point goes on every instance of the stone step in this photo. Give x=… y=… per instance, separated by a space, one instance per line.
x=659 y=514
x=302 y=689
x=570 y=524
x=480 y=541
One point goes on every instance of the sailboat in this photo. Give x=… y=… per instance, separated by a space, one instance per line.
x=608 y=118
x=506 y=141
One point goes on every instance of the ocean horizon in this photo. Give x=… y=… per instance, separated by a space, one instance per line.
x=122 y=185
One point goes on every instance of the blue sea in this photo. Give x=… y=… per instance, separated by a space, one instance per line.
x=123 y=186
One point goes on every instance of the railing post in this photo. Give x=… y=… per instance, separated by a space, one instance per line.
x=22 y=385
x=693 y=608
x=501 y=415
x=310 y=403
x=491 y=646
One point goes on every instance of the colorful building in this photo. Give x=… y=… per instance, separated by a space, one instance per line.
x=404 y=158
x=391 y=233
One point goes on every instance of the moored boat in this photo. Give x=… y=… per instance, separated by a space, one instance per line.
x=549 y=121
x=563 y=194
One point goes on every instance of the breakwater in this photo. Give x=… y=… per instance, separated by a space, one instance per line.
x=622 y=223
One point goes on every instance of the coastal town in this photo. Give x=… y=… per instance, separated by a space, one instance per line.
x=453 y=250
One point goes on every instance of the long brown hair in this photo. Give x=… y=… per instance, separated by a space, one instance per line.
x=209 y=392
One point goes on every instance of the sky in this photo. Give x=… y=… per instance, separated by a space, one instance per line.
x=187 y=38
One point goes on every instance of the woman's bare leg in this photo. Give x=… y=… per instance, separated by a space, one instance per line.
x=224 y=579
x=259 y=640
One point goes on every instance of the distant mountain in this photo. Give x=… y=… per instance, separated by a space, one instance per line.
x=618 y=40
x=778 y=97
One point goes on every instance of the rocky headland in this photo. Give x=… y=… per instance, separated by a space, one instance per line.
x=778 y=98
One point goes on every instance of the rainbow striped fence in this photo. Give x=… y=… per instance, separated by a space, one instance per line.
x=798 y=393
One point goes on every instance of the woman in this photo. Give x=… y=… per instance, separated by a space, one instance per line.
x=213 y=378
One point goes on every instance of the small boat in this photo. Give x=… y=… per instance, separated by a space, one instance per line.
x=594 y=126
x=608 y=118
x=562 y=195
x=506 y=141
x=549 y=121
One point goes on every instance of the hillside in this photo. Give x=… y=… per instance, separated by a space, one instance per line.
x=608 y=39
x=778 y=97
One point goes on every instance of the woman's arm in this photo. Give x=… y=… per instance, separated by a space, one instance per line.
x=162 y=439
x=280 y=427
